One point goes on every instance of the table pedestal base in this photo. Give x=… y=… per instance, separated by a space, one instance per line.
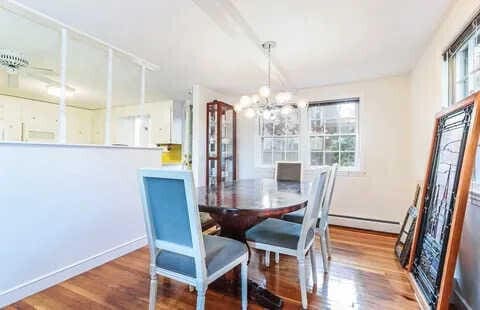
x=234 y=227
x=256 y=293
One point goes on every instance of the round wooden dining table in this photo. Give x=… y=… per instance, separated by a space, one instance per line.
x=239 y=205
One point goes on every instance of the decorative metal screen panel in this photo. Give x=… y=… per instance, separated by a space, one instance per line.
x=449 y=147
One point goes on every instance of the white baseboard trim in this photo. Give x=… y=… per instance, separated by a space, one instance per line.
x=361 y=223
x=40 y=283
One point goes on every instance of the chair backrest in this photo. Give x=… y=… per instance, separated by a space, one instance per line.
x=325 y=209
x=171 y=214
x=315 y=200
x=288 y=171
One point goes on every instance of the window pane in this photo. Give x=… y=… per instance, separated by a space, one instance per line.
x=316 y=143
x=331 y=158
x=279 y=127
x=348 y=125
x=347 y=110
x=347 y=143
x=267 y=144
x=291 y=145
x=278 y=145
x=278 y=156
x=330 y=112
x=316 y=158
x=316 y=127
x=331 y=143
x=347 y=159
x=292 y=124
x=267 y=128
x=315 y=113
x=331 y=127
x=292 y=156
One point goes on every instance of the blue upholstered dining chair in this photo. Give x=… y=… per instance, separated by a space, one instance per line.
x=293 y=239
x=322 y=224
x=178 y=249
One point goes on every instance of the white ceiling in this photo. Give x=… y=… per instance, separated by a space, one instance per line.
x=215 y=42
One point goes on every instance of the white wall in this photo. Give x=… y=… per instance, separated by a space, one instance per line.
x=64 y=210
x=428 y=92
x=428 y=88
x=384 y=189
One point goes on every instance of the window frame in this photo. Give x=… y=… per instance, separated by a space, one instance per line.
x=357 y=165
x=304 y=139
x=260 y=138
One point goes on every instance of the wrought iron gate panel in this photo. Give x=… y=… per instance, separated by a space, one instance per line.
x=451 y=135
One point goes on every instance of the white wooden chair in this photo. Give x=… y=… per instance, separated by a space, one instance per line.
x=290 y=171
x=322 y=224
x=178 y=250
x=291 y=238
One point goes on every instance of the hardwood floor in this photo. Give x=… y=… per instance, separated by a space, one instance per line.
x=363 y=275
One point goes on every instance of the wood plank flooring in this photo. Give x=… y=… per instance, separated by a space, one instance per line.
x=363 y=275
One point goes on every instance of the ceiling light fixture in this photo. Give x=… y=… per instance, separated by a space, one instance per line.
x=265 y=105
x=54 y=90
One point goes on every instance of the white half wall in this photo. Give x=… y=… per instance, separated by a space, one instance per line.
x=65 y=210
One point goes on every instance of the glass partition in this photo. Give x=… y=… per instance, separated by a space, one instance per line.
x=29 y=64
x=111 y=97
x=86 y=91
x=129 y=124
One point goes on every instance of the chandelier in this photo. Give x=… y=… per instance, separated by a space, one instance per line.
x=264 y=104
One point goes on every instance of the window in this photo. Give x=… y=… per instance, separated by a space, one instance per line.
x=280 y=138
x=465 y=66
x=463 y=59
x=333 y=132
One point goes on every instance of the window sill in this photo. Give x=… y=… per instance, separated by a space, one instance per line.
x=351 y=173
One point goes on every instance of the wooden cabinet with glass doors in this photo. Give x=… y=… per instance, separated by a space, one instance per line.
x=221 y=143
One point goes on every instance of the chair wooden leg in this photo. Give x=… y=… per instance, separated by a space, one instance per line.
x=244 y=279
x=303 y=281
x=153 y=292
x=323 y=245
x=314 y=265
x=201 y=291
x=277 y=258
x=329 y=243
x=267 y=258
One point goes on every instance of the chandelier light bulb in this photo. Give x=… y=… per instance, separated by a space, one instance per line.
x=283 y=97
x=255 y=98
x=287 y=109
x=245 y=101
x=237 y=107
x=302 y=104
x=264 y=91
x=269 y=115
x=250 y=113
x=280 y=98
